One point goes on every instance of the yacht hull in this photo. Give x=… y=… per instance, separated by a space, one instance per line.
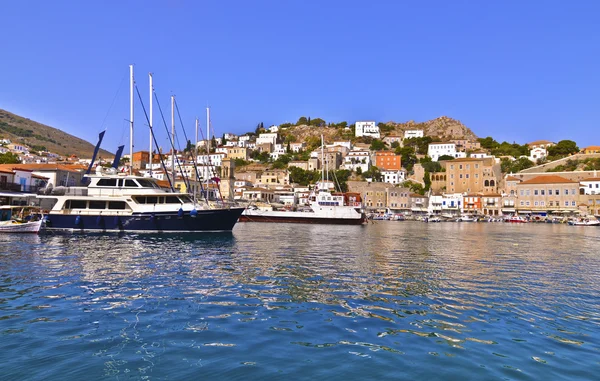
x=300 y=218
x=212 y=220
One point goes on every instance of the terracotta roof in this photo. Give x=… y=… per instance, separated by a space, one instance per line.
x=44 y=167
x=592 y=179
x=7 y=171
x=548 y=179
x=39 y=177
x=591 y=148
x=512 y=178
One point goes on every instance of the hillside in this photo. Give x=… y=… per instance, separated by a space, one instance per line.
x=36 y=135
x=444 y=128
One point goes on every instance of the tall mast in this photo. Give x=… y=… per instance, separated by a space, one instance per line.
x=196 y=141
x=150 y=122
x=131 y=119
x=207 y=149
x=173 y=137
x=322 y=163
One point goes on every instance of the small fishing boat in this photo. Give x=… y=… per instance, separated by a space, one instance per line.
x=585 y=221
x=517 y=219
x=13 y=220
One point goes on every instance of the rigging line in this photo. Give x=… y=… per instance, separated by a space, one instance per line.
x=193 y=155
x=171 y=141
x=153 y=138
x=113 y=101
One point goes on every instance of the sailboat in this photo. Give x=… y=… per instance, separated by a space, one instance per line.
x=325 y=207
x=121 y=202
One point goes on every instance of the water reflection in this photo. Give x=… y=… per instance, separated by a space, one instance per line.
x=270 y=294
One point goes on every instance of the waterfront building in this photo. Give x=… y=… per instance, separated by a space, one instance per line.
x=418 y=204
x=434 y=206
x=258 y=195
x=452 y=204
x=366 y=128
x=589 y=186
x=398 y=199
x=547 y=194
x=471 y=175
x=273 y=177
x=491 y=204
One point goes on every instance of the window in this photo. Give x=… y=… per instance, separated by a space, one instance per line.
x=467 y=175
x=130 y=183
x=543 y=192
x=522 y=203
x=75 y=204
x=522 y=192
x=107 y=183
x=527 y=192
x=117 y=205
x=535 y=192
x=566 y=192
x=557 y=192
x=566 y=203
x=97 y=204
x=527 y=203
x=573 y=203
x=542 y=203
x=536 y=203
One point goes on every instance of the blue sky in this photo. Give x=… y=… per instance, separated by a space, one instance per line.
x=515 y=70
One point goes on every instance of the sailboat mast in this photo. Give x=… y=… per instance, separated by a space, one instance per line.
x=196 y=141
x=173 y=137
x=131 y=82
x=208 y=149
x=322 y=163
x=150 y=123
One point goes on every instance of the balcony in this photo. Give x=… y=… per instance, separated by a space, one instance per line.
x=14 y=187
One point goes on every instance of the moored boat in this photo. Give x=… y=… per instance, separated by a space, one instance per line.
x=126 y=203
x=9 y=223
x=585 y=221
x=516 y=219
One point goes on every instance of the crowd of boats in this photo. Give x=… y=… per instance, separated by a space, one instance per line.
x=515 y=218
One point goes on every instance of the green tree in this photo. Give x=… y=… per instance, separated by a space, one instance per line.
x=488 y=143
x=427 y=181
x=445 y=158
x=562 y=149
x=514 y=166
x=9 y=158
x=408 y=157
x=318 y=122
x=223 y=140
x=373 y=173
x=430 y=165
x=302 y=120
x=377 y=145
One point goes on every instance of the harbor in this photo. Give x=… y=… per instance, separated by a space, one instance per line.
x=413 y=300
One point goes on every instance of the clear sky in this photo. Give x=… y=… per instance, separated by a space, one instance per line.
x=517 y=70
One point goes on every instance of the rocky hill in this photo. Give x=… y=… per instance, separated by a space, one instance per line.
x=444 y=128
x=37 y=136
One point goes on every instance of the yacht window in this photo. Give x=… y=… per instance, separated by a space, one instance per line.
x=130 y=183
x=185 y=199
x=172 y=200
x=107 y=182
x=147 y=183
x=151 y=200
x=97 y=204
x=75 y=204
x=140 y=199
x=117 y=205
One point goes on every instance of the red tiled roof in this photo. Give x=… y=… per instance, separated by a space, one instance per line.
x=512 y=178
x=539 y=142
x=548 y=179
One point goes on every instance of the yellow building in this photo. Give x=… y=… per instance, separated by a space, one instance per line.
x=470 y=175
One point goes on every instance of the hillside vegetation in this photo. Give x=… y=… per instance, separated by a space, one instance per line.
x=40 y=137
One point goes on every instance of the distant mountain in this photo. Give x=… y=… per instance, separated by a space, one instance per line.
x=444 y=128
x=38 y=136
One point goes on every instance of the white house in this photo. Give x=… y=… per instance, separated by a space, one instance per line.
x=297 y=147
x=366 y=128
x=413 y=134
x=590 y=186
x=230 y=136
x=452 y=203
x=267 y=138
x=278 y=150
x=358 y=159
x=537 y=153
x=435 y=204
x=435 y=150
x=393 y=177
x=480 y=155
x=274 y=128
x=347 y=144
x=215 y=159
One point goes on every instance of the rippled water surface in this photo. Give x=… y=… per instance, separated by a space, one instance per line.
x=391 y=300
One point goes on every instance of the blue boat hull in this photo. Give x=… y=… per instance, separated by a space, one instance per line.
x=212 y=220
